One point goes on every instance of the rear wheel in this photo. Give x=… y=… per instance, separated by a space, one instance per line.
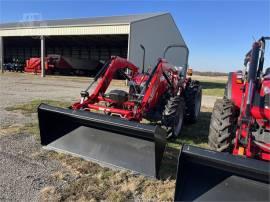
x=223 y=126
x=173 y=116
x=193 y=98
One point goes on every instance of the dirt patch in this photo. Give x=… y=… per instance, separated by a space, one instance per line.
x=94 y=182
x=22 y=176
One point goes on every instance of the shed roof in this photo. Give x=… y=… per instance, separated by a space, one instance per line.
x=92 y=21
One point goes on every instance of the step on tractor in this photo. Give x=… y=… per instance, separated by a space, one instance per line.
x=237 y=167
x=108 y=125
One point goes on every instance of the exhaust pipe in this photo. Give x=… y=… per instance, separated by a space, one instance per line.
x=107 y=140
x=205 y=175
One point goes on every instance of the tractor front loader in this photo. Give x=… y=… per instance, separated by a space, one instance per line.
x=207 y=175
x=106 y=126
x=237 y=167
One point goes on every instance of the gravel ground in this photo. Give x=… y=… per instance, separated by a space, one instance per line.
x=23 y=175
x=21 y=88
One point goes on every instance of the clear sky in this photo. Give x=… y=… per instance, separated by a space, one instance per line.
x=218 y=33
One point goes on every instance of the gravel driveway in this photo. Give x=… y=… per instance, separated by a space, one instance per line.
x=23 y=175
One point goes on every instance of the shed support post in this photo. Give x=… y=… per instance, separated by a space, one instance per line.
x=2 y=54
x=42 y=55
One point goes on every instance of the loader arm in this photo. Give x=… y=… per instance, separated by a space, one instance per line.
x=159 y=83
x=117 y=64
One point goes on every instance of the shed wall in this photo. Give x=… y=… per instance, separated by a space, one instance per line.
x=155 y=34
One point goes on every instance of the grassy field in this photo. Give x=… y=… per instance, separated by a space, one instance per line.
x=212 y=86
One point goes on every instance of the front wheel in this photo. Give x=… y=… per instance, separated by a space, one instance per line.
x=193 y=98
x=173 y=116
x=222 y=126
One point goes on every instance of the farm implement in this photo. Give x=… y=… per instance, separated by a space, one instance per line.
x=106 y=126
x=63 y=64
x=207 y=175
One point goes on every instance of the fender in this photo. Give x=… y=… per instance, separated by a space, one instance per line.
x=234 y=90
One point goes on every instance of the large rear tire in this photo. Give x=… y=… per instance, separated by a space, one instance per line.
x=173 y=116
x=193 y=98
x=222 y=126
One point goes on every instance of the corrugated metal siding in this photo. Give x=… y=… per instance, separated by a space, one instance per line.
x=93 y=30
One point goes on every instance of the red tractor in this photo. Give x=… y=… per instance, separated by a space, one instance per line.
x=158 y=97
x=162 y=95
x=240 y=125
x=240 y=122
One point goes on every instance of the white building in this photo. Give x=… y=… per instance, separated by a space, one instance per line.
x=95 y=38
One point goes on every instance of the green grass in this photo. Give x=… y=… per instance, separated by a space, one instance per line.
x=31 y=107
x=213 y=88
x=192 y=134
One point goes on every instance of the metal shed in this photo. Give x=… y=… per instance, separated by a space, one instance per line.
x=95 y=38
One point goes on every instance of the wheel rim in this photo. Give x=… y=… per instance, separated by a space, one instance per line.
x=178 y=123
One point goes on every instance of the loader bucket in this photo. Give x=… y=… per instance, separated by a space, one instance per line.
x=205 y=175
x=107 y=140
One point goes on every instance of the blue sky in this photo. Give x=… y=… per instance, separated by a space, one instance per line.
x=218 y=33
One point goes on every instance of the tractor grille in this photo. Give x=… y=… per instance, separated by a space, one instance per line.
x=267 y=101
